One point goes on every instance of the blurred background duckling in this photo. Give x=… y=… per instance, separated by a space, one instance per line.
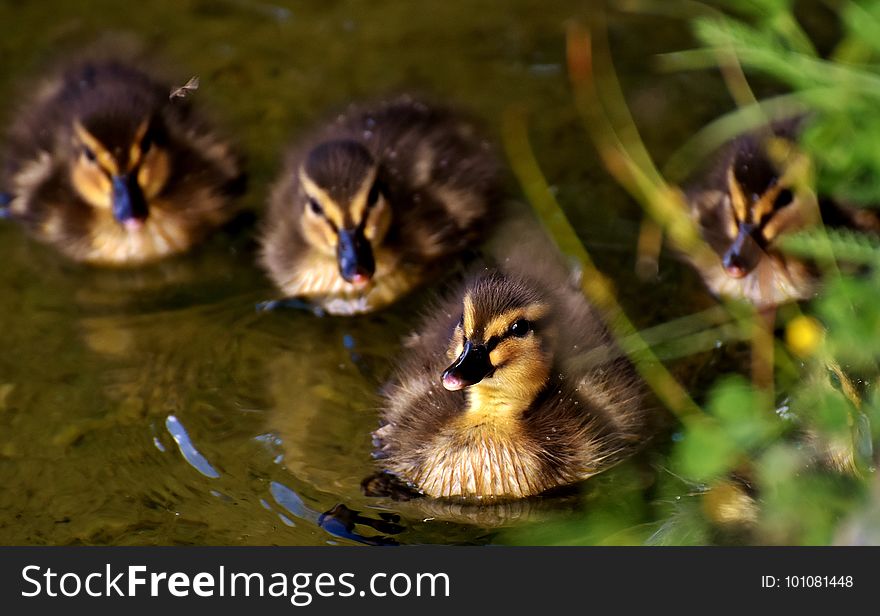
x=106 y=166
x=747 y=201
x=494 y=398
x=363 y=213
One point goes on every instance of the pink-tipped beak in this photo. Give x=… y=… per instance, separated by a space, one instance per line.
x=741 y=257
x=735 y=271
x=452 y=382
x=359 y=279
x=133 y=224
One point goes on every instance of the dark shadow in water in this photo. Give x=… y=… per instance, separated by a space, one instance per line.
x=289 y=303
x=486 y=513
x=386 y=485
x=341 y=522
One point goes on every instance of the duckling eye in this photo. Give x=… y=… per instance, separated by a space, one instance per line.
x=315 y=207
x=784 y=198
x=88 y=154
x=146 y=143
x=520 y=328
x=373 y=197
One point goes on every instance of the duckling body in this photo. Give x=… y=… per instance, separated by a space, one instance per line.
x=746 y=203
x=492 y=402
x=103 y=166
x=365 y=211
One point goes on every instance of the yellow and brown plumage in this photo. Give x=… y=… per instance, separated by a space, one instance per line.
x=102 y=165
x=365 y=211
x=746 y=203
x=494 y=400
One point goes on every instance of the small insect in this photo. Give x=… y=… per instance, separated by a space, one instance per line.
x=183 y=91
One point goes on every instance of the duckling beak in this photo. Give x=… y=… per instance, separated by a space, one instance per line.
x=744 y=254
x=471 y=367
x=355 y=256
x=129 y=204
x=5 y=200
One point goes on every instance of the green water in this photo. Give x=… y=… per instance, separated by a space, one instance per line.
x=99 y=370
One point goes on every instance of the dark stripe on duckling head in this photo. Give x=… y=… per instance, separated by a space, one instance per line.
x=754 y=173
x=758 y=167
x=126 y=139
x=339 y=168
x=490 y=296
x=757 y=193
x=112 y=101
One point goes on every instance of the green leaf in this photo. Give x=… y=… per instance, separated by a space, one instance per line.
x=707 y=451
x=834 y=245
x=850 y=308
x=742 y=412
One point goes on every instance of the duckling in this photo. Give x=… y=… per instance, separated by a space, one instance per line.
x=105 y=167
x=743 y=207
x=494 y=400
x=382 y=197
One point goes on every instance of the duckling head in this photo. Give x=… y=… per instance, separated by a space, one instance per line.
x=762 y=206
x=346 y=213
x=119 y=163
x=501 y=349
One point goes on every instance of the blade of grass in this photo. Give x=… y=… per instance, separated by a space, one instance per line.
x=711 y=137
x=648 y=250
x=626 y=157
x=682 y=346
x=628 y=161
x=594 y=283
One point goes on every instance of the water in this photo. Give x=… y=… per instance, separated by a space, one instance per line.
x=158 y=406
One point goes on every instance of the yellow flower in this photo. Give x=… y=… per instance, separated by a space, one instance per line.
x=803 y=335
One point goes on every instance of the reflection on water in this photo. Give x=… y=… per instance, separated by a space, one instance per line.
x=292 y=502
x=187 y=449
x=339 y=521
x=343 y=522
x=159 y=406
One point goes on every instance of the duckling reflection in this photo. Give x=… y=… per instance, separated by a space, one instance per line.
x=363 y=213
x=494 y=514
x=104 y=167
x=340 y=521
x=746 y=204
x=489 y=402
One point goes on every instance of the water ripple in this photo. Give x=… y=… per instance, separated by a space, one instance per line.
x=188 y=450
